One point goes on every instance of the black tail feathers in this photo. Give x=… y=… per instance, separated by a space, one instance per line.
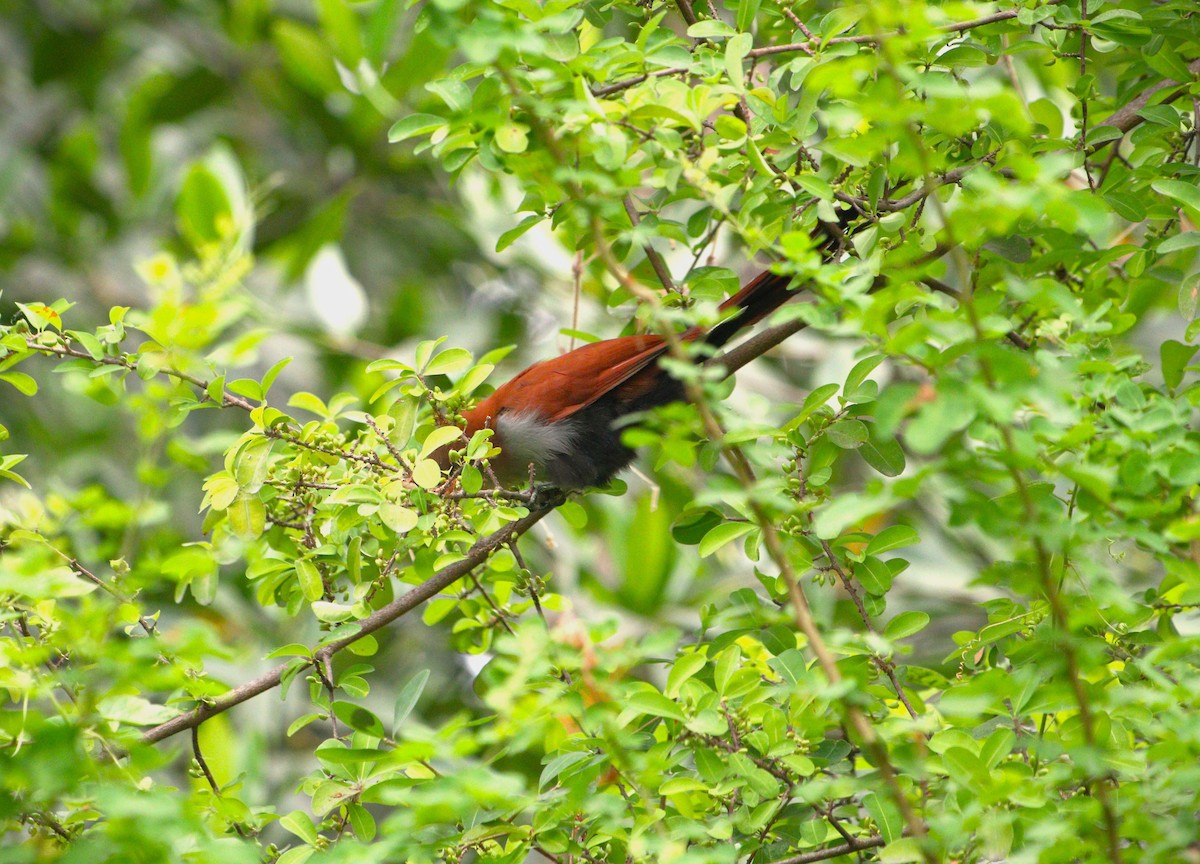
x=765 y=293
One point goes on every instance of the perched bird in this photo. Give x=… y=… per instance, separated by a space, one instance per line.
x=563 y=415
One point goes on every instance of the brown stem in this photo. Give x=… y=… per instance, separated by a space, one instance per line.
x=833 y=851
x=377 y=620
x=656 y=260
x=1126 y=117
x=208 y=775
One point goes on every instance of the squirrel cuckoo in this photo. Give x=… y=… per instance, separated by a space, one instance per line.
x=561 y=415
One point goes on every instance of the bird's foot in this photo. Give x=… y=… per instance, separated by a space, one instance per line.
x=546 y=496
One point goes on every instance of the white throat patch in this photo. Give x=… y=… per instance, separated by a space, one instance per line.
x=527 y=437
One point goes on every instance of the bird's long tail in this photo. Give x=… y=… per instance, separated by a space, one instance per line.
x=767 y=291
x=762 y=295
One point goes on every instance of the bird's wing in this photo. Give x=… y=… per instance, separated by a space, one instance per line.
x=577 y=379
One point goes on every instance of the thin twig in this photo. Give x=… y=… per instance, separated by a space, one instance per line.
x=807 y=47
x=656 y=260
x=198 y=755
x=228 y=399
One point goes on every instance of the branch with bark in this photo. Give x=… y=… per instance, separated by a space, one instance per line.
x=377 y=620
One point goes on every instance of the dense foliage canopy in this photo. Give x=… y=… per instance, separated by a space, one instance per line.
x=923 y=587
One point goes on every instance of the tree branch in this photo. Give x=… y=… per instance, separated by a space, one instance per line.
x=377 y=620
x=754 y=347
x=228 y=400
x=656 y=260
x=833 y=851
x=1126 y=117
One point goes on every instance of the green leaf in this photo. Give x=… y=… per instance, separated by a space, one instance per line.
x=559 y=764
x=1188 y=292
x=377 y=37
x=692 y=525
x=859 y=374
x=247 y=516
x=359 y=718
x=453 y=92
x=1186 y=194
x=1049 y=114
x=684 y=668
x=892 y=537
x=252 y=463
x=964 y=766
x=1185 y=240
x=1125 y=204
x=998 y=745
x=652 y=702
x=203 y=210
x=342 y=31
x=791 y=666
x=847 y=510
x=512 y=137
x=294 y=649
x=308 y=402
x=311 y=584
x=273 y=373
x=722 y=534
x=362 y=822
x=24 y=383
x=448 y=361
x=812 y=402
x=412 y=125
x=875 y=576
x=305 y=57
x=885 y=455
x=1175 y=357
x=513 y=234
x=746 y=12
x=299 y=823
x=329 y=795
x=404 y=420
x=821 y=188
x=906 y=624
x=40 y=316
x=938 y=420
x=906 y=850
x=427 y=474
x=848 y=433
x=134 y=710
x=397 y=518
x=439 y=437
x=710 y=28
x=89 y=342
x=296 y=855
x=407 y=700
x=736 y=50
x=886 y=815
x=839 y=20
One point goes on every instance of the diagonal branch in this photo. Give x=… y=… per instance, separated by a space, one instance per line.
x=757 y=345
x=377 y=620
x=857 y=844
x=1126 y=117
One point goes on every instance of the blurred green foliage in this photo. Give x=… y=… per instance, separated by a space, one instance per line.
x=220 y=395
